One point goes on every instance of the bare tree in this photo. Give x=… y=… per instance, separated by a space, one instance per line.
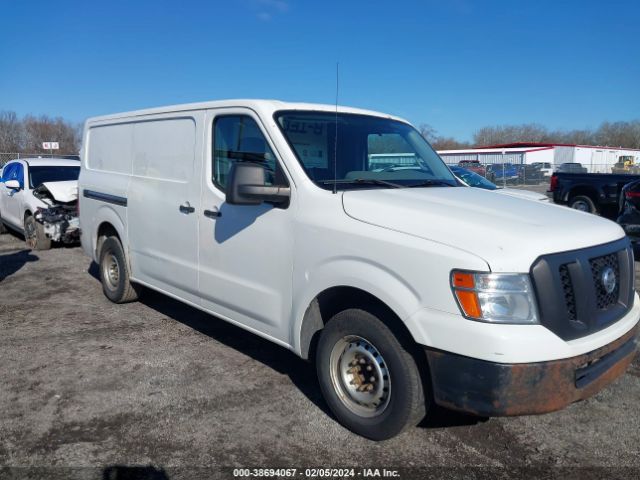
x=428 y=132
x=619 y=134
x=44 y=129
x=449 y=143
x=613 y=134
x=11 y=132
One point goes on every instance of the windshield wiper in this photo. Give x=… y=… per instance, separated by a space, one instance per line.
x=362 y=181
x=431 y=183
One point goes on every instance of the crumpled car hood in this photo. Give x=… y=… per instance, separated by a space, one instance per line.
x=64 y=192
x=509 y=233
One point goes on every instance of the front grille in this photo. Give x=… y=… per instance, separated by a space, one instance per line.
x=570 y=286
x=598 y=265
x=567 y=290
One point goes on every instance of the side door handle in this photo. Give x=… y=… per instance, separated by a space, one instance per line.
x=213 y=213
x=186 y=208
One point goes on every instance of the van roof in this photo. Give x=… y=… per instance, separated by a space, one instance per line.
x=265 y=107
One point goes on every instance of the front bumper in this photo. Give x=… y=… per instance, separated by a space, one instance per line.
x=497 y=389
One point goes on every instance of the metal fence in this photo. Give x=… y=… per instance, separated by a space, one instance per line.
x=5 y=157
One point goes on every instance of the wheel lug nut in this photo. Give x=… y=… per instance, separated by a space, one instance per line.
x=369 y=368
x=372 y=379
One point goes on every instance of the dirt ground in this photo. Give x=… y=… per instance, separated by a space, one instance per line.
x=158 y=390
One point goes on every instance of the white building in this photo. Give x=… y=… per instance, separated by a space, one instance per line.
x=595 y=159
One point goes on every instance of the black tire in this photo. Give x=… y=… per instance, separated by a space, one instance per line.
x=583 y=204
x=404 y=405
x=114 y=273
x=34 y=235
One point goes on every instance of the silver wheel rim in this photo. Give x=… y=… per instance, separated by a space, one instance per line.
x=360 y=376
x=111 y=271
x=582 y=206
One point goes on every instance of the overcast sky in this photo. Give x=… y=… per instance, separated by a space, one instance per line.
x=457 y=65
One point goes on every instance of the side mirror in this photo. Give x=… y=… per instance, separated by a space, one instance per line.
x=12 y=184
x=246 y=186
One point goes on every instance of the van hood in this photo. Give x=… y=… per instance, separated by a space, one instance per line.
x=64 y=192
x=508 y=233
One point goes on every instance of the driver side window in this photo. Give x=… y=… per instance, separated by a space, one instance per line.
x=237 y=138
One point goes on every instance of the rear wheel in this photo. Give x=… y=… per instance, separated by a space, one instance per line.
x=583 y=203
x=369 y=380
x=114 y=273
x=34 y=235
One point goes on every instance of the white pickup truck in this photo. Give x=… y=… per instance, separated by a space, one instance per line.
x=402 y=285
x=38 y=197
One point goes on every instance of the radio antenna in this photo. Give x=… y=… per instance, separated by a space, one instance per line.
x=335 y=143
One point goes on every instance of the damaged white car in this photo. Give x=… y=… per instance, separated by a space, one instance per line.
x=39 y=198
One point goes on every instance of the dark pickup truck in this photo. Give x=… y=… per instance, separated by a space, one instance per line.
x=590 y=192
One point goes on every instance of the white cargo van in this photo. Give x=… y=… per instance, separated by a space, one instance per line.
x=405 y=287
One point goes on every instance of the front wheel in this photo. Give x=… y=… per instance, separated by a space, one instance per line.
x=583 y=203
x=34 y=235
x=371 y=383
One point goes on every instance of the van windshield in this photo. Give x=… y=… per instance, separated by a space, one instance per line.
x=372 y=152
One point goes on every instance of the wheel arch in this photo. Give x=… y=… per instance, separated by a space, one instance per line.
x=334 y=299
x=585 y=190
x=107 y=223
x=105 y=230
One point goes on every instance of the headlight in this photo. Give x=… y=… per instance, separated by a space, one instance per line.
x=495 y=297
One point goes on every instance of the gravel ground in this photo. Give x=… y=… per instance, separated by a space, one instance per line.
x=156 y=389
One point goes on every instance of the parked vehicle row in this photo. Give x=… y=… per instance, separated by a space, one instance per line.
x=472 y=179
x=508 y=172
x=545 y=167
x=474 y=166
x=522 y=173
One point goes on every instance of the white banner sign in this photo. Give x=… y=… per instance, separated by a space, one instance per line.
x=50 y=145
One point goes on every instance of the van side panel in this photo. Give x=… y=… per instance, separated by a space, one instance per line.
x=164 y=203
x=111 y=148
x=104 y=181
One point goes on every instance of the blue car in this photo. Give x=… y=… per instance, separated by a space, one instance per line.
x=499 y=172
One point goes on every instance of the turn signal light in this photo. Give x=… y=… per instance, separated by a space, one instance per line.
x=463 y=285
x=463 y=280
x=469 y=303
